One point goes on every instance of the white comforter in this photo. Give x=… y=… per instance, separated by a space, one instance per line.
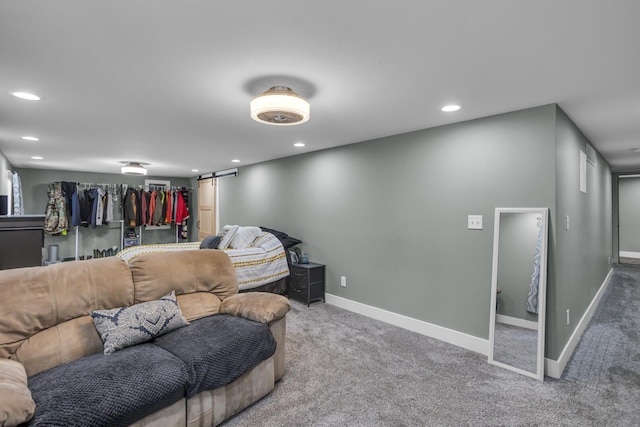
x=264 y=261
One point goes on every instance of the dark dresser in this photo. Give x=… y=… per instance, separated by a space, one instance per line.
x=21 y=241
x=306 y=282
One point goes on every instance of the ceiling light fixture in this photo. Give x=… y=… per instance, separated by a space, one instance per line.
x=31 y=138
x=235 y=161
x=280 y=106
x=26 y=95
x=133 y=168
x=451 y=108
x=37 y=158
x=299 y=144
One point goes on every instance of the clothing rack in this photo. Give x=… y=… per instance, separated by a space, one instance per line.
x=157 y=187
x=101 y=185
x=150 y=187
x=118 y=189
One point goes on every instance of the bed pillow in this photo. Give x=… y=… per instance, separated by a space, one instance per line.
x=286 y=240
x=244 y=237
x=226 y=235
x=210 y=242
x=126 y=326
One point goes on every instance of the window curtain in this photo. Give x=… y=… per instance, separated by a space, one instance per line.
x=18 y=206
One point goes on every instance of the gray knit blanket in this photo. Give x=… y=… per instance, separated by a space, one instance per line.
x=124 y=387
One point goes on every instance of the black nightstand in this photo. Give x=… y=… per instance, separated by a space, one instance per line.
x=306 y=282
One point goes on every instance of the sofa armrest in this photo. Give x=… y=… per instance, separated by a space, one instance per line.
x=257 y=306
x=16 y=404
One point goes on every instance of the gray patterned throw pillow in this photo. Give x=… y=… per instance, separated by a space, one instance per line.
x=127 y=326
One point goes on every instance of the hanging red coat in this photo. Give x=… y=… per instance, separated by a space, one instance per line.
x=182 y=210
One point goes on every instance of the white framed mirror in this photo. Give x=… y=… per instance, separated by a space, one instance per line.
x=518 y=290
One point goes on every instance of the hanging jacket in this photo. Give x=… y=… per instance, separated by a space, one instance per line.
x=99 y=206
x=182 y=212
x=152 y=207
x=56 y=220
x=139 y=207
x=108 y=215
x=157 y=213
x=92 y=195
x=144 y=211
x=169 y=203
x=130 y=213
x=184 y=229
x=75 y=209
x=68 y=190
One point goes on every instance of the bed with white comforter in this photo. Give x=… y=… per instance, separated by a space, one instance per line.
x=261 y=263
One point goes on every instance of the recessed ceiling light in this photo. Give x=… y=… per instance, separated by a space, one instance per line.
x=26 y=95
x=299 y=144
x=235 y=161
x=450 y=108
x=37 y=158
x=31 y=138
x=195 y=170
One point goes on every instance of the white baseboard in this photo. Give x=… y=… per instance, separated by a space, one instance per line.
x=627 y=254
x=460 y=339
x=515 y=321
x=555 y=368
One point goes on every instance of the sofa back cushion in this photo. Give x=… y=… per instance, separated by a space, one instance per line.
x=44 y=314
x=201 y=279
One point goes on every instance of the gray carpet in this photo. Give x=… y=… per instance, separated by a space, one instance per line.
x=516 y=346
x=344 y=369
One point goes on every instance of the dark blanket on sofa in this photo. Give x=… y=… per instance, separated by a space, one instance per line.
x=113 y=390
x=218 y=349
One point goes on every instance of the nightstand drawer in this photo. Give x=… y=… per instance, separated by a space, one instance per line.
x=298 y=285
x=306 y=282
x=299 y=275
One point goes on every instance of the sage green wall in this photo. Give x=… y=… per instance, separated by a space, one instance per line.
x=629 y=214
x=579 y=257
x=615 y=224
x=34 y=189
x=391 y=214
x=518 y=239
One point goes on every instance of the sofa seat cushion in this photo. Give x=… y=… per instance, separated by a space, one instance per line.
x=108 y=390
x=218 y=349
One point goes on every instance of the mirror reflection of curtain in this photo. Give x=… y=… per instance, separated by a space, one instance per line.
x=532 y=297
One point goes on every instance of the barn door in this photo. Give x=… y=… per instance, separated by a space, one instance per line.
x=206 y=207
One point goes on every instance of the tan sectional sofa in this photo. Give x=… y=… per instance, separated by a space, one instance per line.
x=45 y=323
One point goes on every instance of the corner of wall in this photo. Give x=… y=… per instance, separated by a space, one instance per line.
x=580 y=247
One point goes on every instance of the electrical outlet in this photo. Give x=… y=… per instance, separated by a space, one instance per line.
x=474 y=222
x=568 y=319
x=343 y=281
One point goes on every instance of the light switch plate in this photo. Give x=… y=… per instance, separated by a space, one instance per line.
x=474 y=222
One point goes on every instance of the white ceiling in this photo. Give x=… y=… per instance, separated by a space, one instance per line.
x=169 y=82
